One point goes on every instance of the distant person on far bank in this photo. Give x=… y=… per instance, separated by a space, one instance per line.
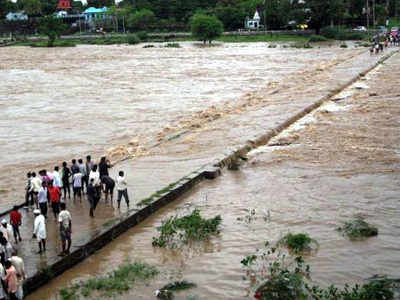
x=65 y=222
x=39 y=230
x=16 y=222
x=122 y=187
x=108 y=185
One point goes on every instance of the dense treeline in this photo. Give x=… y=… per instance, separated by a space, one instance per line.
x=275 y=14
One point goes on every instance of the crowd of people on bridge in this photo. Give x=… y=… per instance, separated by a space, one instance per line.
x=378 y=46
x=44 y=189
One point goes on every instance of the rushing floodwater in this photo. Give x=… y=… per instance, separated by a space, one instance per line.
x=342 y=161
x=59 y=103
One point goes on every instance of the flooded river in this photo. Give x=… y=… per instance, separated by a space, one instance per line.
x=338 y=162
x=61 y=103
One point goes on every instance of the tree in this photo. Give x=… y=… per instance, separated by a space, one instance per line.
x=206 y=28
x=32 y=7
x=51 y=27
x=141 y=19
x=231 y=17
x=100 y=3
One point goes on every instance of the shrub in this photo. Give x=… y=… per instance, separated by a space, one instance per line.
x=358 y=228
x=297 y=242
x=353 y=36
x=317 y=38
x=343 y=45
x=117 y=281
x=329 y=32
x=172 y=45
x=142 y=35
x=133 y=39
x=288 y=278
x=188 y=228
x=148 y=46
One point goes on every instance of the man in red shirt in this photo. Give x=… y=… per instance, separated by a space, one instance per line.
x=55 y=194
x=15 y=221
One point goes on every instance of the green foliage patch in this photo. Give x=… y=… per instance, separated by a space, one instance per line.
x=297 y=242
x=192 y=227
x=115 y=282
x=358 y=228
x=279 y=277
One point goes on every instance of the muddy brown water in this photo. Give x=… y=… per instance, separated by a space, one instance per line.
x=57 y=104
x=341 y=161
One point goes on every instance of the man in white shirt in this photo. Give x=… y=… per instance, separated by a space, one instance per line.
x=56 y=177
x=95 y=175
x=122 y=187
x=65 y=221
x=39 y=230
x=43 y=199
x=77 y=184
x=7 y=230
x=36 y=185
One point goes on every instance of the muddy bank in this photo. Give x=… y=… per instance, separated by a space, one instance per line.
x=337 y=164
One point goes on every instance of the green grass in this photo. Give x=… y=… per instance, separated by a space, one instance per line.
x=358 y=229
x=192 y=227
x=262 y=38
x=297 y=242
x=393 y=22
x=115 y=282
x=58 y=43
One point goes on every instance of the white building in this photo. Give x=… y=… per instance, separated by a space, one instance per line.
x=253 y=23
x=17 y=16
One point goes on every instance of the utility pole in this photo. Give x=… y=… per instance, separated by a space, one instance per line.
x=373 y=12
x=265 y=15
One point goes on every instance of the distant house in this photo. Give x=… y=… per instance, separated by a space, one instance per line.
x=93 y=13
x=17 y=16
x=61 y=14
x=253 y=23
